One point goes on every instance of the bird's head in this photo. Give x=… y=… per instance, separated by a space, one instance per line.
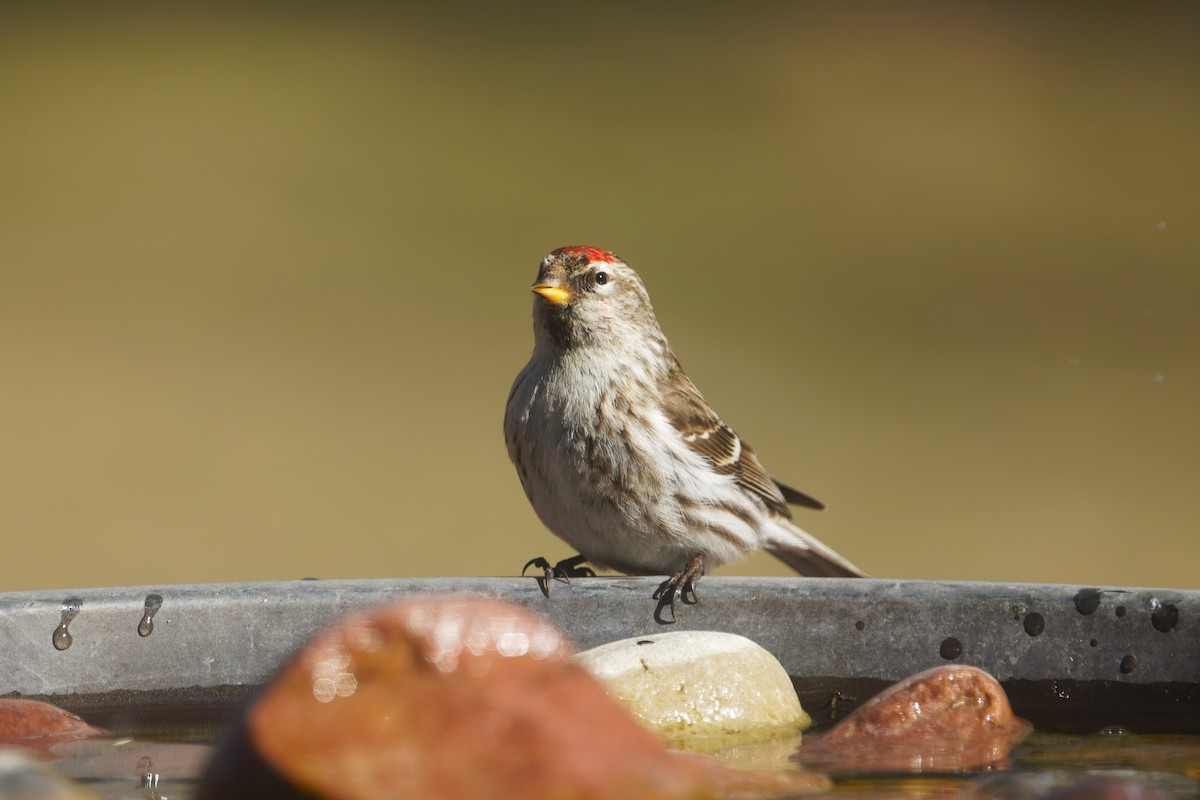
x=589 y=296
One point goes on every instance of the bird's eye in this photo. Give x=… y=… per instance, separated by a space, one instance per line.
x=601 y=278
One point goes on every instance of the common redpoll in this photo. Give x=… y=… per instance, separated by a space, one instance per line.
x=620 y=455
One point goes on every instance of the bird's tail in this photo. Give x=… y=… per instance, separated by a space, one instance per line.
x=808 y=556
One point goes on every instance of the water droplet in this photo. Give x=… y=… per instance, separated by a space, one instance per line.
x=1087 y=601
x=836 y=701
x=62 y=636
x=1119 y=611
x=149 y=778
x=1035 y=623
x=1094 y=643
x=860 y=625
x=951 y=648
x=1164 y=617
x=153 y=604
x=1127 y=664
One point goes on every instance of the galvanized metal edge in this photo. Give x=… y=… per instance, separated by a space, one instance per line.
x=161 y=638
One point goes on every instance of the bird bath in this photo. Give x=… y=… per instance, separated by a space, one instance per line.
x=1073 y=659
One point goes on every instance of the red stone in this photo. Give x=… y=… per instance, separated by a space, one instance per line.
x=35 y=725
x=945 y=719
x=456 y=698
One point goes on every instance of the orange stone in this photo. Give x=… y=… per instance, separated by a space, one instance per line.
x=945 y=719
x=457 y=697
x=35 y=725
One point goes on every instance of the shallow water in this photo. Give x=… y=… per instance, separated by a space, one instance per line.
x=161 y=752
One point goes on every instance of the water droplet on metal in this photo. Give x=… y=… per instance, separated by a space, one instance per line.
x=1165 y=616
x=1087 y=601
x=62 y=636
x=153 y=604
x=149 y=778
x=951 y=648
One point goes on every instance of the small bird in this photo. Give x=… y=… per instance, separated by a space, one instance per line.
x=620 y=455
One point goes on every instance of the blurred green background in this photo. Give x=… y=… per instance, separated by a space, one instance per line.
x=264 y=275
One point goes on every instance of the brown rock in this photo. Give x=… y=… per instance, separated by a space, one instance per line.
x=945 y=719
x=455 y=697
x=37 y=726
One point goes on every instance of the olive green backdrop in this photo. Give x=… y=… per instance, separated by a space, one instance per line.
x=264 y=275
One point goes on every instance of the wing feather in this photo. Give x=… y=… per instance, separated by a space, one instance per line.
x=704 y=432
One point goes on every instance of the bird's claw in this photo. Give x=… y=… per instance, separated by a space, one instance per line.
x=678 y=587
x=562 y=571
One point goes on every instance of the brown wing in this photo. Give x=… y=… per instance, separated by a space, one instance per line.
x=706 y=434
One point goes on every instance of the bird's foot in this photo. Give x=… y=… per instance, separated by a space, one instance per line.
x=678 y=587
x=562 y=571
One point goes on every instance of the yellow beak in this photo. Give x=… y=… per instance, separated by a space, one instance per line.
x=553 y=294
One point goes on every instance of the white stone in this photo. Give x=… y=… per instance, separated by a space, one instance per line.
x=699 y=687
